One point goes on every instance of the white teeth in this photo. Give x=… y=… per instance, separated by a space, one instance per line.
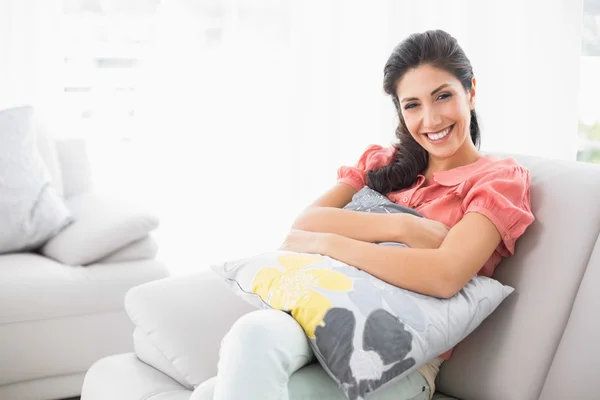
x=438 y=136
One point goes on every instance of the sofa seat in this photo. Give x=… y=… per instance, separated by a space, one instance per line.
x=34 y=288
x=50 y=311
x=441 y=396
x=132 y=379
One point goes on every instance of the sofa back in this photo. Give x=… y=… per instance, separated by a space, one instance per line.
x=75 y=166
x=47 y=149
x=66 y=160
x=533 y=345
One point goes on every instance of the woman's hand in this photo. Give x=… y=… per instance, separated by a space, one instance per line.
x=305 y=242
x=422 y=233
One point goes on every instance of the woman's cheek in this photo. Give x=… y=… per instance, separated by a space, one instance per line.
x=409 y=120
x=453 y=110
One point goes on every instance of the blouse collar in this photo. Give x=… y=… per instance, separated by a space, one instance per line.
x=458 y=175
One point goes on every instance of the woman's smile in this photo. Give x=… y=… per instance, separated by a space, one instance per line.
x=441 y=136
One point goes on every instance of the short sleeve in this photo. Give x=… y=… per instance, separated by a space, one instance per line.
x=503 y=197
x=372 y=159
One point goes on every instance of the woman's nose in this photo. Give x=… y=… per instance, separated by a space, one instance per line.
x=431 y=119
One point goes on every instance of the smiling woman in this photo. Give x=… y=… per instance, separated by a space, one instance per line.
x=475 y=207
x=435 y=101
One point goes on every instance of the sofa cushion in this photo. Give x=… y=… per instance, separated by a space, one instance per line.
x=144 y=249
x=33 y=287
x=31 y=212
x=102 y=225
x=125 y=377
x=186 y=330
x=441 y=396
x=509 y=355
x=51 y=387
x=60 y=346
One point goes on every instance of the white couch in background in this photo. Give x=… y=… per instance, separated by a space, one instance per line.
x=58 y=318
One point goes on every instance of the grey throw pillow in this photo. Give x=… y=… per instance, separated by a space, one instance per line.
x=31 y=211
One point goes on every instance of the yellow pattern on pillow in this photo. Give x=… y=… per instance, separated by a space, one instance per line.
x=290 y=286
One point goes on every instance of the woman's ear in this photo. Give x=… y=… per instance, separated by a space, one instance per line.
x=472 y=93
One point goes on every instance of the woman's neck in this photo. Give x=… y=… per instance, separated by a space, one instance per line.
x=466 y=155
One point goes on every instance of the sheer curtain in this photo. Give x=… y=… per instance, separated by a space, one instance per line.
x=29 y=55
x=248 y=107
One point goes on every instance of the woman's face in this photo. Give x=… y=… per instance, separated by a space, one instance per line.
x=436 y=109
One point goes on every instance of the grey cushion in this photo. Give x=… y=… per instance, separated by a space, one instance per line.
x=31 y=212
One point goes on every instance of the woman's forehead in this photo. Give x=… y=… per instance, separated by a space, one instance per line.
x=421 y=81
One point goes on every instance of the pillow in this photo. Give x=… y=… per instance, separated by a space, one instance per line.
x=31 y=212
x=102 y=226
x=364 y=332
x=369 y=200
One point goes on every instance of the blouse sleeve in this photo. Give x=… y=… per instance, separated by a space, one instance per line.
x=372 y=159
x=503 y=197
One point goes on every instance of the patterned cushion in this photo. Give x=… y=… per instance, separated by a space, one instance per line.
x=364 y=332
x=31 y=211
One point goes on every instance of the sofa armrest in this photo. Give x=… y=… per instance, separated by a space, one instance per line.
x=143 y=249
x=180 y=322
x=101 y=226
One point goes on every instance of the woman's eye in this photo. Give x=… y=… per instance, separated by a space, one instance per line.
x=444 y=96
x=409 y=106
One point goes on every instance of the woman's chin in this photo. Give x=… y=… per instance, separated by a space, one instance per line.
x=442 y=153
x=444 y=150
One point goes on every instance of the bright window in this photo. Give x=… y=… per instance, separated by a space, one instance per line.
x=589 y=107
x=105 y=43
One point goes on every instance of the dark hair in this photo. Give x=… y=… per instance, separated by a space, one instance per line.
x=438 y=49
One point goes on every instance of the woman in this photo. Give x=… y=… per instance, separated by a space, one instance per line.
x=475 y=208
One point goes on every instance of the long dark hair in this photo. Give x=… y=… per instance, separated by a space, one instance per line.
x=440 y=50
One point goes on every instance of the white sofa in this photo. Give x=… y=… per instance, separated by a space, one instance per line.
x=541 y=343
x=57 y=319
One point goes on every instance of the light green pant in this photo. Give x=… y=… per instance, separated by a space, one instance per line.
x=266 y=356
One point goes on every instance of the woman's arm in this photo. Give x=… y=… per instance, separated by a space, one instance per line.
x=363 y=226
x=439 y=272
x=326 y=215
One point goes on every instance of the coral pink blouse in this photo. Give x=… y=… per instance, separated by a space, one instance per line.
x=496 y=188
